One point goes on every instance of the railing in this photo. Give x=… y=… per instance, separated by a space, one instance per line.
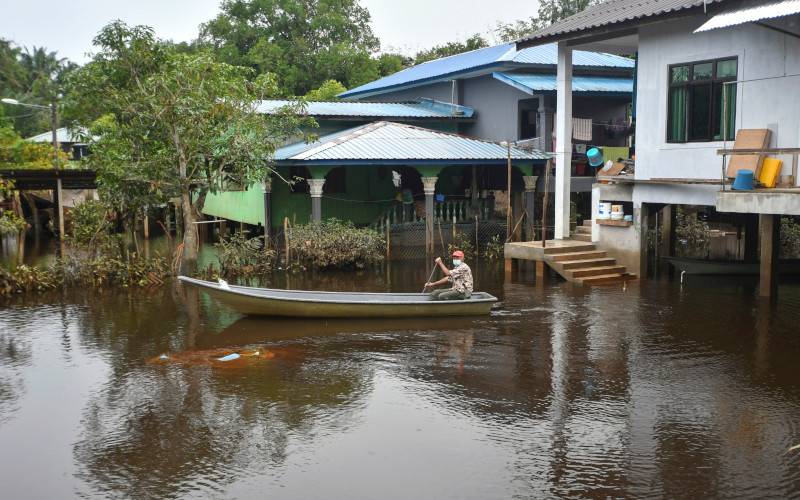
x=460 y=210
x=794 y=152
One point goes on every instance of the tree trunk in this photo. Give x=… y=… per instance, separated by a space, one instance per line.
x=190 y=239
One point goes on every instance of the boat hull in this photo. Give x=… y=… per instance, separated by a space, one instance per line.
x=305 y=304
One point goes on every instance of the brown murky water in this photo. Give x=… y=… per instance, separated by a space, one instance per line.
x=654 y=391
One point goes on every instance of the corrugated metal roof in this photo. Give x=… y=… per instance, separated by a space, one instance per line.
x=531 y=83
x=483 y=61
x=423 y=108
x=63 y=134
x=751 y=14
x=390 y=141
x=609 y=13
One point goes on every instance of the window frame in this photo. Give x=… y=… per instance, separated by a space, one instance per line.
x=688 y=84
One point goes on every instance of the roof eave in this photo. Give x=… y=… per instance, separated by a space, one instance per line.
x=605 y=32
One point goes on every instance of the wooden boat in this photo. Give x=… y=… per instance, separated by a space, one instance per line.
x=729 y=267
x=310 y=304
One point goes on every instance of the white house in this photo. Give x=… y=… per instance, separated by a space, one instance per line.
x=701 y=65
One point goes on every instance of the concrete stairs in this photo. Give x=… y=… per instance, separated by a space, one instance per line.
x=581 y=262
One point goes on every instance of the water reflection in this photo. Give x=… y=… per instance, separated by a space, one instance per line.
x=655 y=390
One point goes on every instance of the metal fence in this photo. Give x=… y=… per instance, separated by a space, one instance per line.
x=407 y=241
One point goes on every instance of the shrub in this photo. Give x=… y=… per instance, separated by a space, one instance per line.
x=790 y=238
x=239 y=256
x=495 y=248
x=463 y=242
x=10 y=223
x=692 y=235
x=92 y=229
x=333 y=243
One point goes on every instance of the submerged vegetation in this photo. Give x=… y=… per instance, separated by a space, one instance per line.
x=240 y=256
x=332 y=243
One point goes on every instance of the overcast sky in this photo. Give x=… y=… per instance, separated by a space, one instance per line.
x=405 y=25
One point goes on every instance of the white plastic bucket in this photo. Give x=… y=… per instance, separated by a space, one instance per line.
x=604 y=210
x=616 y=212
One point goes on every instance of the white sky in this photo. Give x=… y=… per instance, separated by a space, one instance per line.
x=405 y=25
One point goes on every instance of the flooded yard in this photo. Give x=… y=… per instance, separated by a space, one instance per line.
x=656 y=390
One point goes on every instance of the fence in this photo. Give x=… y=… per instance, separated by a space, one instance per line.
x=407 y=241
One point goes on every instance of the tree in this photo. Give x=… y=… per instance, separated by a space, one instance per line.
x=474 y=42
x=175 y=125
x=392 y=63
x=17 y=153
x=305 y=42
x=550 y=12
x=326 y=92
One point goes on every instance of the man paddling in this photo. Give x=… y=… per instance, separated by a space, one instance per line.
x=460 y=277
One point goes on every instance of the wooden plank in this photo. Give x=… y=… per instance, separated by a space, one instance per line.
x=617 y=223
x=748 y=139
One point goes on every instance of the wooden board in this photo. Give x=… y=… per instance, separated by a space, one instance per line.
x=755 y=138
x=614 y=169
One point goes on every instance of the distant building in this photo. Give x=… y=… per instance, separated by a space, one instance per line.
x=72 y=142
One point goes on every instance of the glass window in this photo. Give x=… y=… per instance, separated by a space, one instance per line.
x=726 y=69
x=703 y=71
x=701 y=105
x=680 y=74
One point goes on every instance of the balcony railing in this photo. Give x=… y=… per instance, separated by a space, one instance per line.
x=793 y=152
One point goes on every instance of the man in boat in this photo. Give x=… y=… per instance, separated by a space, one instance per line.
x=460 y=277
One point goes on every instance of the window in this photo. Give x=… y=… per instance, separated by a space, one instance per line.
x=698 y=98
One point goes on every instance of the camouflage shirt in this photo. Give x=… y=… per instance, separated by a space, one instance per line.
x=461 y=278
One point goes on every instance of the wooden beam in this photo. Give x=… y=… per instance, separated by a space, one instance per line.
x=769 y=226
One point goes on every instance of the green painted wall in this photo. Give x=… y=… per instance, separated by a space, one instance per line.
x=242 y=206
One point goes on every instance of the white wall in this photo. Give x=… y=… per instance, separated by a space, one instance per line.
x=773 y=103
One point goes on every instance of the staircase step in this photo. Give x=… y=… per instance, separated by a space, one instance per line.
x=563 y=257
x=581 y=263
x=606 y=279
x=582 y=237
x=583 y=230
x=576 y=247
x=595 y=271
x=587 y=223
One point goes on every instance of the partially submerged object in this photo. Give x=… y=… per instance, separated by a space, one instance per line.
x=310 y=304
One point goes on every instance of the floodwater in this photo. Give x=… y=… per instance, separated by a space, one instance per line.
x=656 y=390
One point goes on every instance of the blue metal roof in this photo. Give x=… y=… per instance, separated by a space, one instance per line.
x=532 y=83
x=483 y=61
x=390 y=142
x=422 y=108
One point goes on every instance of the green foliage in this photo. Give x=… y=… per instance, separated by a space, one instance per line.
x=692 y=235
x=326 y=92
x=10 y=223
x=464 y=242
x=34 y=76
x=305 y=42
x=474 y=42
x=550 y=12
x=173 y=124
x=790 y=238
x=389 y=64
x=20 y=154
x=332 y=243
x=92 y=230
x=240 y=256
x=495 y=248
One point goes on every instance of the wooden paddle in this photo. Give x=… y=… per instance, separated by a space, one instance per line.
x=435 y=265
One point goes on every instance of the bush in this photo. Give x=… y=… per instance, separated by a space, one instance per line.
x=495 y=248
x=10 y=223
x=790 y=238
x=463 y=242
x=239 y=256
x=335 y=244
x=92 y=230
x=692 y=234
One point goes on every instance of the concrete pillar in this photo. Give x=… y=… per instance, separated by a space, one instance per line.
x=667 y=232
x=545 y=131
x=315 y=188
x=770 y=245
x=530 y=206
x=563 y=140
x=266 y=189
x=429 y=187
x=60 y=201
x=642 y=219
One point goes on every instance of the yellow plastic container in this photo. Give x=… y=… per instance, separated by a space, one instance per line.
x=770 y=169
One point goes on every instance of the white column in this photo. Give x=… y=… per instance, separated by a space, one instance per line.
x=429 y=187
x=563 y=139
x=315 y=188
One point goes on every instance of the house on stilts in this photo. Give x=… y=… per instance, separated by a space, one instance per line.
x=716 y=104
